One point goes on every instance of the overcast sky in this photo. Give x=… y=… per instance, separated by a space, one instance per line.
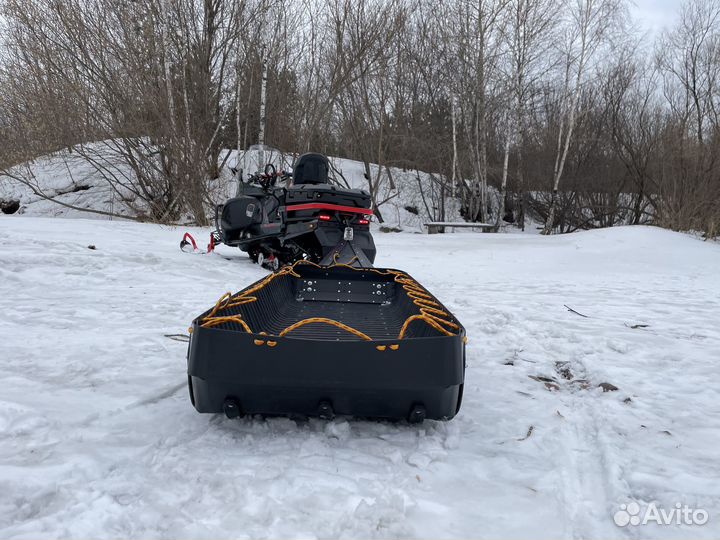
x=654 y=15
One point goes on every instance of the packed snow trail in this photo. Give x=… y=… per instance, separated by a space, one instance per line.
x=98 y=437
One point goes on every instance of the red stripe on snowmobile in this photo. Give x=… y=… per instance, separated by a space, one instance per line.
x=327 y=206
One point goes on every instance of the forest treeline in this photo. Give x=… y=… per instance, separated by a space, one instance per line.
x=556 y=111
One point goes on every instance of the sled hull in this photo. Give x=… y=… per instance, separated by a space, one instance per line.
x=319 y=365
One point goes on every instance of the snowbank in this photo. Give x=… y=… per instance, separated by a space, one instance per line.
x=68 y=178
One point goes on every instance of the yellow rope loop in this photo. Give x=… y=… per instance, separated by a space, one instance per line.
x=240 y=300
x=224 y=299
x=373 y=270
x=245 y=297
x=332 y=322
x=413 y=286
x=285 y=270
x=347 y=264
x=421 y=302
x=433 y=321
x=409 y=285
x=434 y=311
x=405 y=280
x=416 y=292
x=429 y=312
x=227 y=301
x=439 y=319
x=260 y=285
x=406 y=324
x=304 y=262
x=426 y=319
x=290 y=270
x=344 y=265
x=209 y=322
x=422 y=298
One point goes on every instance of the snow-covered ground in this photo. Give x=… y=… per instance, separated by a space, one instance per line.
x=98 y=438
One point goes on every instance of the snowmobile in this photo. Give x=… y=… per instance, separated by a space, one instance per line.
x=325 y=333
x=279 y=218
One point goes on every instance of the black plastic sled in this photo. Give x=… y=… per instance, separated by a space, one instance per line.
x=313 y=340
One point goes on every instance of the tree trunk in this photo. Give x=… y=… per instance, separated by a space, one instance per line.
x=503 y=182
x=559 y=166
x=455 y=152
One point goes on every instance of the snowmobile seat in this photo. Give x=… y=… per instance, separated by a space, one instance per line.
x=311 y=168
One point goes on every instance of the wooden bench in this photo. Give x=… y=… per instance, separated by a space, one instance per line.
x=435 y=227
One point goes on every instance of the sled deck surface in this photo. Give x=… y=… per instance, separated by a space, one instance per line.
x=312 y=340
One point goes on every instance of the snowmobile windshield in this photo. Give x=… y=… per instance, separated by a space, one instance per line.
x=258 y=156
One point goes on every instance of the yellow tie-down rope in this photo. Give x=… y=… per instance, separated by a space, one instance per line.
x=429 y=309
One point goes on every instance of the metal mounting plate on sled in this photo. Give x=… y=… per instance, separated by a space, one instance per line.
x=330 y=290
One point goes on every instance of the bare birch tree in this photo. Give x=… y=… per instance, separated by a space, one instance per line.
x=528 y=37
x=590 y=21
x=478 y=27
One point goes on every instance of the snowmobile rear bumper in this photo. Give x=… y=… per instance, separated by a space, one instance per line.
x=320 y=369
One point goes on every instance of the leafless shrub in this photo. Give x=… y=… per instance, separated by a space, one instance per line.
x=546 y=109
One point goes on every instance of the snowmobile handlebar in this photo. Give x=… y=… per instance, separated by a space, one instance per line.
x=274 y=175
x=268 y=177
